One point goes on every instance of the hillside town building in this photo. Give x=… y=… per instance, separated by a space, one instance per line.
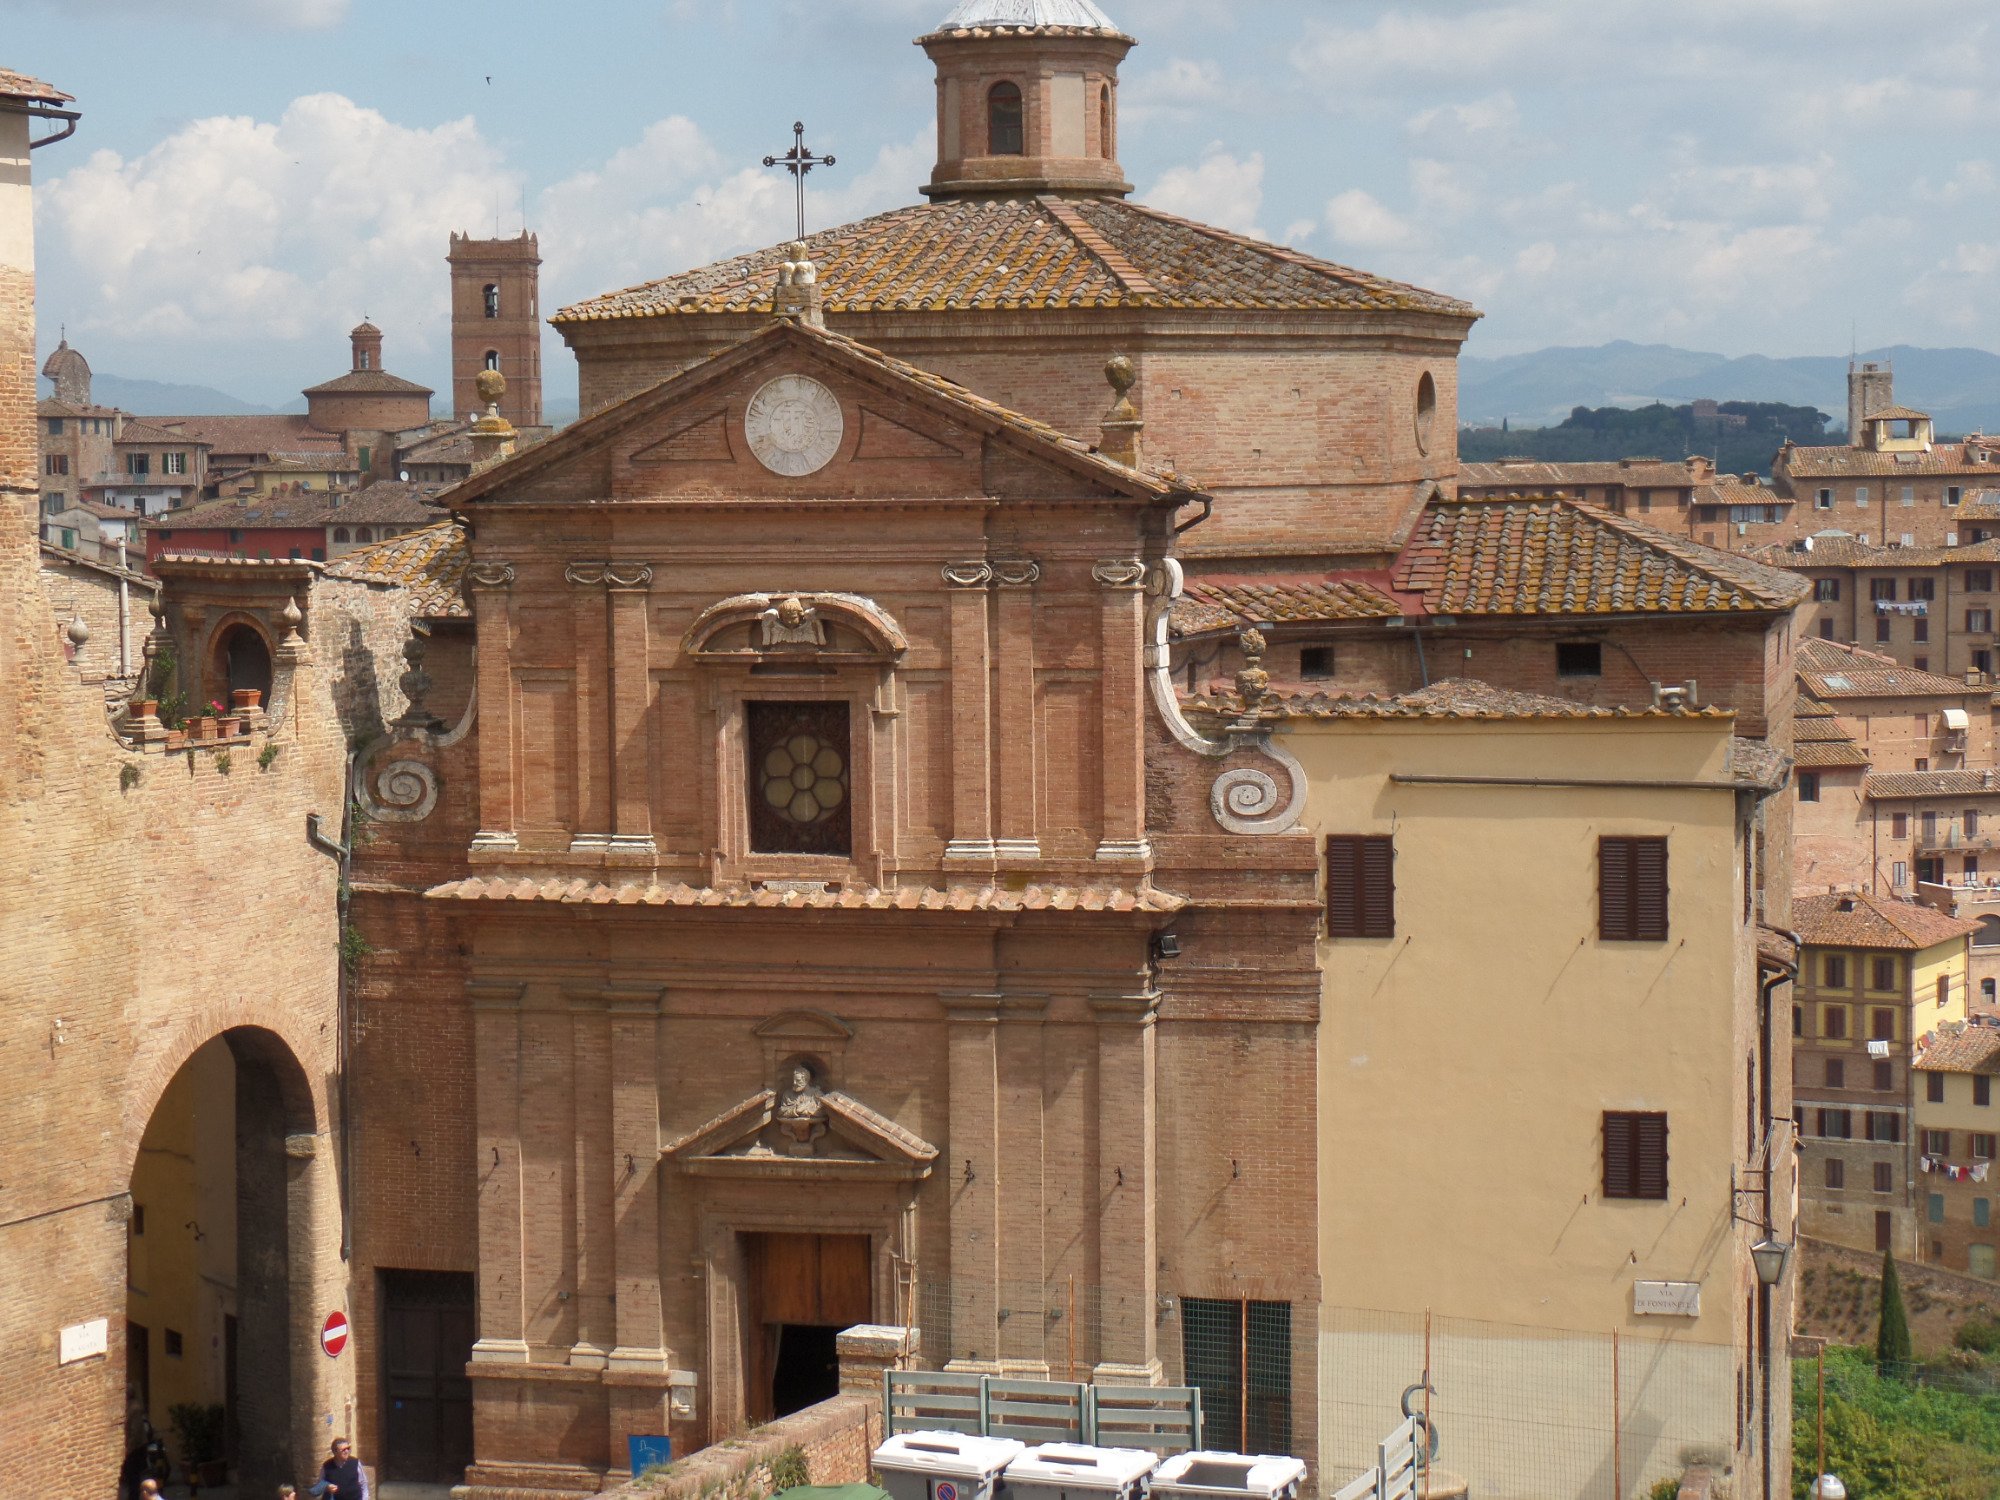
x=1955 y=1146
x=1718 y=510
x=883 y=822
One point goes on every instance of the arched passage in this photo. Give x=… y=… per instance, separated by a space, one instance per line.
x=219 y=1236
x=240 y=658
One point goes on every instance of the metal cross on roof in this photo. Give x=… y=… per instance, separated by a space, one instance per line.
x=799 y=161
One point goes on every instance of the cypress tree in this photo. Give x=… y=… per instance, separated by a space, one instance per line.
x=1892 y=1333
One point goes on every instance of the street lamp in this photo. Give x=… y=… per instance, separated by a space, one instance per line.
x=1769 y=1255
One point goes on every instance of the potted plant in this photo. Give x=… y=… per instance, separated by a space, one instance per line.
x=246 y=700
x=198 y=1431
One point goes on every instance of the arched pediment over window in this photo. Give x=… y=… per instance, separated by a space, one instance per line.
x=827 y=627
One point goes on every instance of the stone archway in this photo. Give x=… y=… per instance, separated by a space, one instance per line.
x=239 y=657
x=221 y=1261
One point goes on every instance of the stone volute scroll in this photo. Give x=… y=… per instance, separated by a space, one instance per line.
x=1119 y=573
x=974 y=573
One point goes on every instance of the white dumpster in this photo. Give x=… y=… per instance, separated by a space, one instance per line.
x=1074 y=1471
x=1240 y=1476
x=943 y=1465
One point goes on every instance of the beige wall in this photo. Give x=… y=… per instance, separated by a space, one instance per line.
x=1957 y=1241
x=1465 y=1063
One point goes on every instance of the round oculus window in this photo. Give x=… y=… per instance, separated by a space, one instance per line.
x=805 y=779
x=1426 y=413
x=794 y=426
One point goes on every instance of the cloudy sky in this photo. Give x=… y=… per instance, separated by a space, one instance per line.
x=1746 y=176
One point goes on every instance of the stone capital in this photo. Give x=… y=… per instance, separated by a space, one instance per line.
x=1120 y=572
x=972 y=574
x=490 y=575
x=1017 y=573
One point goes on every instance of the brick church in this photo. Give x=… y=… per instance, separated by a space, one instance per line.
x=798 y=894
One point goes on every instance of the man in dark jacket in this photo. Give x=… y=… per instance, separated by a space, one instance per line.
x=341 y=1476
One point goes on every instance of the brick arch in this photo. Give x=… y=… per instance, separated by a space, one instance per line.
x=214 y=672
x=274 y=1041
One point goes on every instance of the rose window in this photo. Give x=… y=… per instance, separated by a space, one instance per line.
x=805 y=779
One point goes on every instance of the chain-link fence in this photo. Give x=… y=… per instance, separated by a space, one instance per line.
x=1522 y=1412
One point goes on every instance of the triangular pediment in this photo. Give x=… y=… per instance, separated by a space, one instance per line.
x=901 y=433
x=838 y=1138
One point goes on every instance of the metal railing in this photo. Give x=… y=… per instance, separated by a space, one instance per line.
x=1399 y=1464
x=1162 y=1419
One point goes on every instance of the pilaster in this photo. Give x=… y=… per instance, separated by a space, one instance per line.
x=496 y=1034
x=590 y=1168
x=1021 y=1126
x=972 y=1168
x=1017 y=740
x=492 y=586
x=971 y=713
x=1124 y=771
x=628 y=586
x=590 y=606
x=1127 y=1189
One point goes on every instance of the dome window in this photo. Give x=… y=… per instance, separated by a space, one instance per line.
x=1004 y=135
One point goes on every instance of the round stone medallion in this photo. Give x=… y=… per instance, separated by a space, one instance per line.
x=794 y=426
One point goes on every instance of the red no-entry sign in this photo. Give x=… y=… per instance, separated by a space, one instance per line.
x=333 y=1334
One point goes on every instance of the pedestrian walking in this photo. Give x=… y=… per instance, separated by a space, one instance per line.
x=341 y=1477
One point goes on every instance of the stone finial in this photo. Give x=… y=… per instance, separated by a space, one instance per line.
x=291 y=646
x=797 y=293
x=1253 y=682
x=1120 y=432
x=491 y=435
x=78 y=633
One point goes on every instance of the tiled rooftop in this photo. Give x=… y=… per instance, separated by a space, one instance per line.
x=430 y=561
x=1830 y=669
x=1841 y=462
x=254 y=434
x=1451 y=698
x=1023 y=252
x=367 y=383
x=1893 y=786
x=1538 y=476
x=1540 y=556
x=577 y=892
x=20 y=86
x=1216 y=600
x=1845 y=551
x=1860 y=921
x=385 y=501
x=1976 y=1049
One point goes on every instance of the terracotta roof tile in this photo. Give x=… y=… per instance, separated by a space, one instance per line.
x=807 y=896
x=1975 y=1049
x=1897 y=414
x=1537 y=476
x=1830 y=669
x=368 y=383
x=1894 y=786
x=1452 y=698
x=1860 y=921
x=1811 y=756
x=1214 y=600
x=431 y=561
x=1541 y=556
x=254 y=434
x=1843 y=551
x=1841 y=462
x=20 y=86
x=1022 y=252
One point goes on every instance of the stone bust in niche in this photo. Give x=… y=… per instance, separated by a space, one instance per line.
x=801 y=1111
x=792 y=622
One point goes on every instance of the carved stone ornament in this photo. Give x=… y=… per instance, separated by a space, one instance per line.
x=801 y=1111
x=968 y=575
x=1120 y=572
x=491 y=575
x=416 y=685
x=584 y=575
x=1017 y=573
x=628 y=575
x=792 y=622
x=794 y=426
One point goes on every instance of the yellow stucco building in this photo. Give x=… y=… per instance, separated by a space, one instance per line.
x=1547 y=1093
x=1958 y=1127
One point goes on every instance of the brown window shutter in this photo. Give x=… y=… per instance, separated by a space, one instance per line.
x=1649 y=892
x=1650 y=1172
x=1378 y=888
x=1360 y=886
x=1614 y=889
x=1618 y=1138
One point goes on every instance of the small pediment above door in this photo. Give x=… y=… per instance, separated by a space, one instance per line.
x=818 y=1136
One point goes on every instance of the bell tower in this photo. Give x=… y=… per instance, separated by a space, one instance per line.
x=1027 y=99
x=496 y=324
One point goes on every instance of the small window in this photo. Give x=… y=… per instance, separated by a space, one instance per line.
x=339 y=535
x=1882 y=636
x=1982 y=1145
x=1833 y=1022
x=1979 y=1260
x=55 y=426
x=492 y=359
x=1982 y=1089
x=1883 y=976
x=173 y=463
x=1899 y=827
x=1885 y=1078
x=1833 y=971
x=1979 y=621
x=1880 y=589
x=172 y=1343
x=1982 y=1213
x=1826 y=630
x=1881 y=1024
x=1360 y=886
x=1798 y=1020
x=1944 y=989
x=1808 y=786
x=1920 y=630
x=1885 y=1177
x=1315 y=662
x=1979 y=580
x=798 y=762
x=1105 y=145
x=1952 y=494
x=1826 y=590
x=1937 y=1143
x=319 y=554
x=1427 y=402
x=1934 y=1208
x=56 y=463
x=490 y=295
x=1632 y=890
x=1860 y=495
x=1823 y=500
x=1004 y=134
x=235 y=536
x=1923 y=588
x=1635 y=1155
x=1836 y=1124
x=1982 y=663
x=1885 y=1127
x=1836 y=1173
x=1836 y=1073
x=1579 y=659
x=138 y=465
x=1933 y=1088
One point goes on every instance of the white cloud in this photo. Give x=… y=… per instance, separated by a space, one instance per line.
x=233 y=229
x=303 y=15
x=1220 y=189
x=1182 y=88
x=1452 y=43
x=1359 y=218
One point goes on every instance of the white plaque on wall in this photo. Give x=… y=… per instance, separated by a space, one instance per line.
x=84 y=1340
x=1667 y=1299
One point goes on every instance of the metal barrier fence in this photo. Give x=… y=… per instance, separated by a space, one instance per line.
x=1523 y=1412
x=1164 y=1419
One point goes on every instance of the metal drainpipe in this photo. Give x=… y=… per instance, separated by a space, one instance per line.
x=1423 y=667
x=1764 y=1048
x=342 y=854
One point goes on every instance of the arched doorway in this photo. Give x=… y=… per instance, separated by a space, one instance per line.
x=218 y=1232
x=241 y=659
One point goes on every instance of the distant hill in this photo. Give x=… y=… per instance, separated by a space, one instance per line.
x=1958 y=387
x=1741 y=438
x=157 y=398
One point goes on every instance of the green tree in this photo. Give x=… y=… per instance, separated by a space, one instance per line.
x=1892 y=1333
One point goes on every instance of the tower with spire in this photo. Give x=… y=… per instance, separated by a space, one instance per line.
x=496 y=324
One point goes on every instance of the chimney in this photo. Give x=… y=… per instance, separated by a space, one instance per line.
x=1120 y=432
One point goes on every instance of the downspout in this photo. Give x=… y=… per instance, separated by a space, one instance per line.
x=1764 y=1050
x=342 y=854
x=1423 y=667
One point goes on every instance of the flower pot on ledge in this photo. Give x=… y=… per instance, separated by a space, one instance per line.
x=246 y=700
x=144 y=708
x=202 y=728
